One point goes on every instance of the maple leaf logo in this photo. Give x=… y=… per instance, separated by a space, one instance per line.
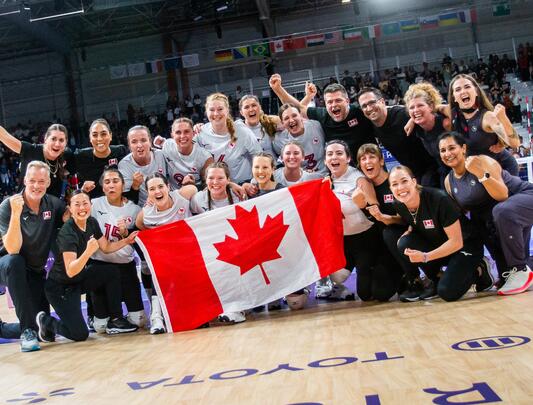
x=254 y=245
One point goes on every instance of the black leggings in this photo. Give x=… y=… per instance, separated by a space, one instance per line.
x=461 y=266
x=377 y=274
x=131 y=289
x=100 y=280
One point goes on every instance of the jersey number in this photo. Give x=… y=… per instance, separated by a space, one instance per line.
x=112 y=231
x=311 y=162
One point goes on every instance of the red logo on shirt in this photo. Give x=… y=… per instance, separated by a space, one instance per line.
x=428 y=224
x=388 y=198
x=160 y=170
x=112 y=162
x=181 y=211
x=316 y=141
x=129 y=220
x=353 y=123
x=47 y=215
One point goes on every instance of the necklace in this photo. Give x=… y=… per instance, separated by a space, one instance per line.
x=414 y=214
x=53 y=167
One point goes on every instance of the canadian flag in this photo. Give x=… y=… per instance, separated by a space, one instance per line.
x=242 y=256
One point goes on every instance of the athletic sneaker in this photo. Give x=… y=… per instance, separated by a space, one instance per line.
x=275 y=305
x=429 y=292
x=232 y=317
x=413 y=291
x=341 y=293
x=119 y=325
x=323 y=288
x=90 y=324
x=100 y=324
x=518 y=280
x=28 y=341
x=484 y=281
x=45 y=334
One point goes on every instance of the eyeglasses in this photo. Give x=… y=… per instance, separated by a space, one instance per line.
x=371 y=103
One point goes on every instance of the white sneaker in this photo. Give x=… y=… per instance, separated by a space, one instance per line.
x=137 y=318
x=232 y=317
x=341 y=293
x=517 y=281
x=323 y=288
x=100 y=324
x=157 y=324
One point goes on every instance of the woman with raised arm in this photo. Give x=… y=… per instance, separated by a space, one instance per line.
x=486 y=129
x=500 y=205
x=308 y=133
x=74 y=273
x=53 y=152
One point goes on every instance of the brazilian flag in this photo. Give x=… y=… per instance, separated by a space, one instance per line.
x=260 y=49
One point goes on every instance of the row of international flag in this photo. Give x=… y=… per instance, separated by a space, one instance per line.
x=291 y=43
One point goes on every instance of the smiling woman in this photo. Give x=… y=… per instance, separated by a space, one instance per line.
x=53 y=151
x=91 y=162
x=438 y=235
x=74 y=272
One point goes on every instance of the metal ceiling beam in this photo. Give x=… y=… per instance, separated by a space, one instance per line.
x=263 y=7
x=41 y=32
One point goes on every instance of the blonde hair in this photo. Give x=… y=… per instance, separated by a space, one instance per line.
x=424 y=90
x=482 y=99
x=229 y=121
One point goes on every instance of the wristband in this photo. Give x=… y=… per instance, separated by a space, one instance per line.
x=425 y=256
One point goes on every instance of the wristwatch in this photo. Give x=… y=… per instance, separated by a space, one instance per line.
x=485 y=177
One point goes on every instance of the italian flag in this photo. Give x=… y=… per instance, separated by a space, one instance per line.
x=242 y=256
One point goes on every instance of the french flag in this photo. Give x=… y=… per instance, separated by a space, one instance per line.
x=245 y=255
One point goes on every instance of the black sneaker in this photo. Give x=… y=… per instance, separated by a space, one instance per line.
x=484 y=281
x=120 y=325
x=429 y=292
x=413 y=291
x=45 y=334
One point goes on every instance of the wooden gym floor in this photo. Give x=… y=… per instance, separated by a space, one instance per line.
x=329 y=353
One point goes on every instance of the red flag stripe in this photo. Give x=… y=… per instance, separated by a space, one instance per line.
x=189 y=294
x=320 y=214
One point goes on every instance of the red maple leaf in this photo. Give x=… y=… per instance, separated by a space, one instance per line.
x=254 y=245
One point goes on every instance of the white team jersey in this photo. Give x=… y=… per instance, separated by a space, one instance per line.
x=354 y=220
x=200 y=203
x=179 y=165
x=279 y=177
x=263 y=138
x=179 y=210
x=128 y=167
x=107 y=216
x=238 y=156
x=312 y=140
